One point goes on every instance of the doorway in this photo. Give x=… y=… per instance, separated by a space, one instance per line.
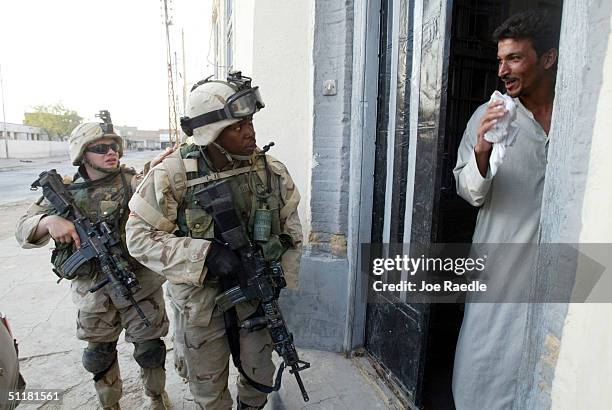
x=414 y=344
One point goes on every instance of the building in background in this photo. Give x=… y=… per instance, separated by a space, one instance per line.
x=22 y=132
x=140 y=139
x=18 y=141
x=367 y=101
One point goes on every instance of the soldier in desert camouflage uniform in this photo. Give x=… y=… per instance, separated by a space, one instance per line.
x=101 y=189
x=171 y=234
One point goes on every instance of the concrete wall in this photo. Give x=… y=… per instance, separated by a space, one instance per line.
x=244 y=12
x=582 y=375
x=282 y=67
x=566 y=361
x=332 y=54
x=296 y=47
x=33 y=149
x=290 y=49
x=316 y=312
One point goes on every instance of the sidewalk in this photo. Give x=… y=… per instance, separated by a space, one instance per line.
x=42 y=317
x=131 y=156
x=7 y=164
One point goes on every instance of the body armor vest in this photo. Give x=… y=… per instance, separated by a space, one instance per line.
x=250 y=194
x=104 y=200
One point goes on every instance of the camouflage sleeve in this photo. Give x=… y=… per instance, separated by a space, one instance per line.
x=150 y=232
x=27 y=224
x=290 y=223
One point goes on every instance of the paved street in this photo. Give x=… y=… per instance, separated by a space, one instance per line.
x=16 y=175
x=42 y=317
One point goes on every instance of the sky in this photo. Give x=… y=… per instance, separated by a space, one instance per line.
x=92 y=55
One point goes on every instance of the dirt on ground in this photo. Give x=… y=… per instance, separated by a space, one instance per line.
x=10 y=213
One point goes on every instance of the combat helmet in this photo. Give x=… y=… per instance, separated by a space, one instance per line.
x=216 y=104
x=86 y=133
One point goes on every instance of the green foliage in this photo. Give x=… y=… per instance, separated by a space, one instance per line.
x=55 y=119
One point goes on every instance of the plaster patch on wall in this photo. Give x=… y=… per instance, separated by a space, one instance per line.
x=338 y=244
x=548 y=362
x=552 y=345
x=332 y=243
x=315 y=163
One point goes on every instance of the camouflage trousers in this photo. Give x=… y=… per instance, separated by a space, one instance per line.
x=104 y=327
x=202 y=357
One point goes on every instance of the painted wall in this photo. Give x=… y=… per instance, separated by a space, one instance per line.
x=582 y=374
x=295 y=47
x=282 y=68
x=332 y=53
x=244 y=11
x=33 y=149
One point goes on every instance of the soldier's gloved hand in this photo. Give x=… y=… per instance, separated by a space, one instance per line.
x=221 y=261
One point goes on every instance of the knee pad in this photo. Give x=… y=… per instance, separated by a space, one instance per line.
x=150 y=354
x=98 y=357
x=243 y=406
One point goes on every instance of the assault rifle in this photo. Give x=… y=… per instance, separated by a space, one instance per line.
x=257 y=280
x=97 y=242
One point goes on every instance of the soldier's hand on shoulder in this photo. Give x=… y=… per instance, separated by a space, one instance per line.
x=61 y=229
x=159 y=158
x=221 y=261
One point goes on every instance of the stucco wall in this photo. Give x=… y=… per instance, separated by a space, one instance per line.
x=297 y=46
x=244 y=11
x=582 y=374
x=33 y=149
x=282 y=67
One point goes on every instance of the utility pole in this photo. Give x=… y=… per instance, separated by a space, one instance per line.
x=5 y=134
x=172 y=113
x=184 y=73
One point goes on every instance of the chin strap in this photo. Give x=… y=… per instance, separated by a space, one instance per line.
x=231 y=157
x=101 y=169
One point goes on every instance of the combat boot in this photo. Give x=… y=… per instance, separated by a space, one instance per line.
x=161 y=402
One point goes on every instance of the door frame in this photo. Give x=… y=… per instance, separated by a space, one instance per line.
x=364 y=95
x=431 y=44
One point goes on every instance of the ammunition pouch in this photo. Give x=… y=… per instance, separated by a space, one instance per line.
x=60 y=255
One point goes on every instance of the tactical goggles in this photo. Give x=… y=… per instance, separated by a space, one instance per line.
x=243 y=104
x=103 y=148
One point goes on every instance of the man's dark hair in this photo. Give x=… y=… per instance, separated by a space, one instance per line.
x=535 y=25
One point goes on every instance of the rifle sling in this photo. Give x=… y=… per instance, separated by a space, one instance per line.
x=233 y=339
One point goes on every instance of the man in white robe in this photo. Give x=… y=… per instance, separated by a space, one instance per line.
x=491 y=338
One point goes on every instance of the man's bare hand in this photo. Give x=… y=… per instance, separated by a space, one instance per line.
x=159 y=158
x=482 y=149
x=494 y=112
x=60 y=229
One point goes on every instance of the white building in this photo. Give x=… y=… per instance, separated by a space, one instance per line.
x=22 y=132
x=24 y=141
x=366 y=101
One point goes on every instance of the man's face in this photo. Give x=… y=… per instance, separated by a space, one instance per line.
x=519 y=66
x=108 y=160
x=239 y=138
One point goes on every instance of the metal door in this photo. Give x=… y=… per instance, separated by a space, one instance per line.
x=395 y=330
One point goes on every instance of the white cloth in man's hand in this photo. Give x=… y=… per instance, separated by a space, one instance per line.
x=503 y=132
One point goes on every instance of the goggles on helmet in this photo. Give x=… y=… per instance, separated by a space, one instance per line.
x=243 y=104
